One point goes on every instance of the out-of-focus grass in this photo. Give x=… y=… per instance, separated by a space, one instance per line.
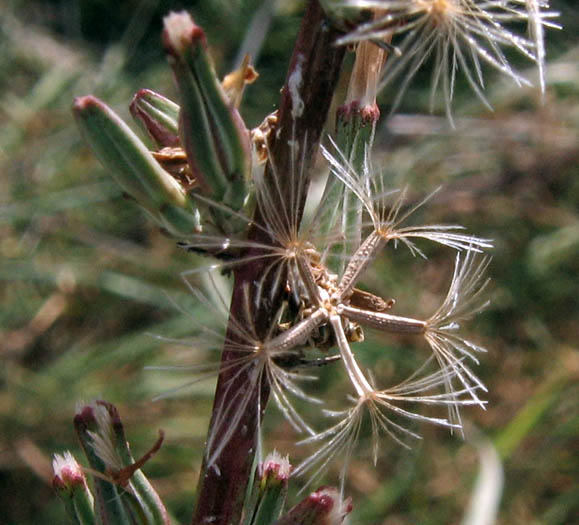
x=85 y=277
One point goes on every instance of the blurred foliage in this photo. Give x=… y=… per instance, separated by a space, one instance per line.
x=86 y=279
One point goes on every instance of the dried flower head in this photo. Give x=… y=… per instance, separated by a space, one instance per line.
x=267 y=361
x=324 y=310
x=460 y=35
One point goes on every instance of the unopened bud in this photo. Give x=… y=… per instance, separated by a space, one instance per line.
x=123 y=489
x=273 y=487
x=211 y=130
x=135 y=169
x=322 y=507
x=158 y=115
x=70 y=484
x=275 y=469
x=67 y=472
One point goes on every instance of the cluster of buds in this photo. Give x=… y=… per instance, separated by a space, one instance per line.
x=121 y=494
x=239 y=196
x=202 y=148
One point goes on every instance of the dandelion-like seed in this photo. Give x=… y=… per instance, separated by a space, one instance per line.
x=331 y=304
x=263 y=361
x=459 y=35
x=539 y=18
x=292 y=240
x=386 y=211
x=267 y=362
x=384 y=409
x=383 y=406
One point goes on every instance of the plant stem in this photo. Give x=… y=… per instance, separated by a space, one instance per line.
x=316 y=63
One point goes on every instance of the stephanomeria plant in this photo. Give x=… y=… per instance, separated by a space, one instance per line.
x=238 y=196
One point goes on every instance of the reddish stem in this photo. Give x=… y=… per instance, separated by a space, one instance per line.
x=221 y=491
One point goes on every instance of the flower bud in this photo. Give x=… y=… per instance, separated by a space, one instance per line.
x=135 y=169
x=322 y=507
x=70 y=484
x=210 y=128
x=108 y=504
x=273 y=487
x=158 y=116
x=123 y=492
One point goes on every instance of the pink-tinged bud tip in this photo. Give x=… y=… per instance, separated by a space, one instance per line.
x=85 y=415
x=67 y=472
x=275 y=466
x=92 y=414
x=180 y=32
x=325 y=506
x=140 y=95
x=143 y=110
x=86 y=102
x=331 y=505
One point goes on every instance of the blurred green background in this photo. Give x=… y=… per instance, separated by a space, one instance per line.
x=86 y=282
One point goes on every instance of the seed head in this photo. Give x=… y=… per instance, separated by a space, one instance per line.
x=459 y=35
